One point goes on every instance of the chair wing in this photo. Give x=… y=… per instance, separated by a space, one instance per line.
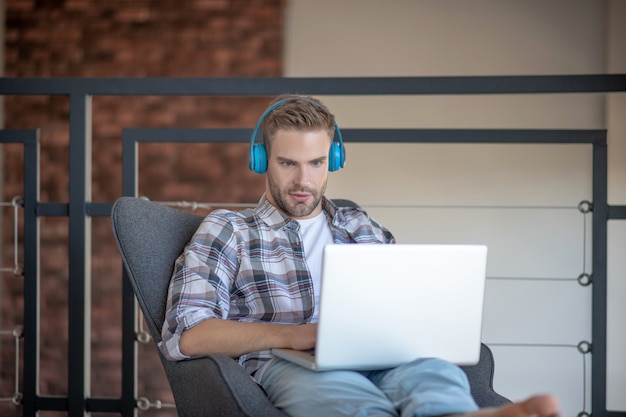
x=150 y=236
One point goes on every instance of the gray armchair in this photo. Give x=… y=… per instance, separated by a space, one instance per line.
x=150 y=236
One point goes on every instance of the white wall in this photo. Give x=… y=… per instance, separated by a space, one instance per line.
x=519 y=199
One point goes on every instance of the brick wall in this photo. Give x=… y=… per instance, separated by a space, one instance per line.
x=123 y=38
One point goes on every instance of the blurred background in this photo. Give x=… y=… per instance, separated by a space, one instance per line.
x=522 y=200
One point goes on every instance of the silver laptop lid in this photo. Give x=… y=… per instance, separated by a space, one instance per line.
x=383 y=305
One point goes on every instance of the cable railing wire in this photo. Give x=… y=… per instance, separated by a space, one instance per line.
x=16 y=269
x=16 y=397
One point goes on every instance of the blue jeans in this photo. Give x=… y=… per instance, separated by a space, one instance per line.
x=424 y=388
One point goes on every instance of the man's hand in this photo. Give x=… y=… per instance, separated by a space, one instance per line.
x=303 y=336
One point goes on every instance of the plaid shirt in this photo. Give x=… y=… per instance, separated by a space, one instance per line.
x=250 y=266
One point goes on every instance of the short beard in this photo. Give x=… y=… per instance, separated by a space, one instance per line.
x=297 y=209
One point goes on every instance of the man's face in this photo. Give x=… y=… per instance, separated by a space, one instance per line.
x=297 y=172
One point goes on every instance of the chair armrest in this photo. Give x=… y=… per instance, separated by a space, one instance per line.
x=480 y=377
x=216 y=385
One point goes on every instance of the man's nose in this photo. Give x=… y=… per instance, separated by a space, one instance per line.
x=303 y=176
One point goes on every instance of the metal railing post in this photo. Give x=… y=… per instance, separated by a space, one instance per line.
x=79 y=291
x=599 y=268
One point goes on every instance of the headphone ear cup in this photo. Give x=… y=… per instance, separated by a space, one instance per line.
x=258 y=158
x=336 y=157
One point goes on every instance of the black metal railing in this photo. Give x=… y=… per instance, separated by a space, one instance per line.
x=79 y=209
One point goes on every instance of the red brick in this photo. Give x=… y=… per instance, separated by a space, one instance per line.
x=93 y=38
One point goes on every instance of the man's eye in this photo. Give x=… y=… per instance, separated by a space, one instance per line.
x=286 y=163
x=317 y=163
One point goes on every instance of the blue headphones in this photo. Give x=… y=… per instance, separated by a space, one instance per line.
x=258 y=154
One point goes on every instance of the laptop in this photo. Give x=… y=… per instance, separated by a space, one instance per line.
x=384 y=305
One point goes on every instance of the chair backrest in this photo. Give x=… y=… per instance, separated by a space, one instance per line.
x=150 y=236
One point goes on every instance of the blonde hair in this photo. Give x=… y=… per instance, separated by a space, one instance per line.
x=299 y=113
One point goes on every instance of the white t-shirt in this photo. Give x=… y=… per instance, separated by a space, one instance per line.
x=315 y=234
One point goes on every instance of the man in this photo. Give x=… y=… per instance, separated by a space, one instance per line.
x=248 y=282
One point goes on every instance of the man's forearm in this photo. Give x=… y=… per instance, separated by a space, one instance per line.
x=234 y=338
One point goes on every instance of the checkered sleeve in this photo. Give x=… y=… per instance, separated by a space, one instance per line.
x=199 y=288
